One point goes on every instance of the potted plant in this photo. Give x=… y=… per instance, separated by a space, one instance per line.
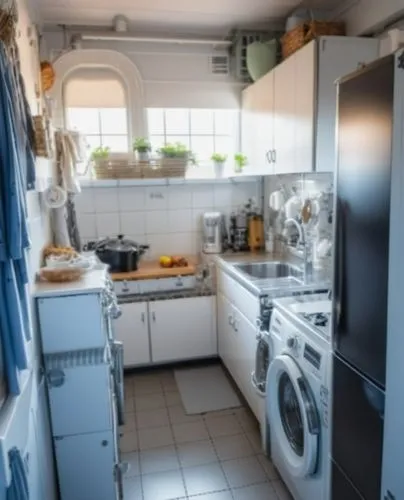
x=175 y=150
x=240 y=161
x=142 y=146
x=100 y=153
x=219 y=161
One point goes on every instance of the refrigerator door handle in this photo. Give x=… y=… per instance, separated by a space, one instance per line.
x=339 y=285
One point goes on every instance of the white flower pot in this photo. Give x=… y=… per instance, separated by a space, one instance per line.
x=143 y=155
x=219 y=168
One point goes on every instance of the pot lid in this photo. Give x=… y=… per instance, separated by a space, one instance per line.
x=119 y=244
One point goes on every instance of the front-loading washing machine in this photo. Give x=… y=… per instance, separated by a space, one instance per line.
x=297 y=398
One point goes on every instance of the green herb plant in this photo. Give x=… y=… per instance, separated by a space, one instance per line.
x=141 y=145
x=100 y=153
x=218 y=158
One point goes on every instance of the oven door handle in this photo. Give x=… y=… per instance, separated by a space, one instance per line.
x=117 y=372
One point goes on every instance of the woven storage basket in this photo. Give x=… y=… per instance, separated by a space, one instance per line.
x=166 y=167
x=117 y=169
x=295 y=39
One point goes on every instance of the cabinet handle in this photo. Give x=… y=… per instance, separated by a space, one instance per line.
x=274 y=155
x=153 y=315
x=142 y=317
x=235 y=326
x=268 y=154
x=231 y=320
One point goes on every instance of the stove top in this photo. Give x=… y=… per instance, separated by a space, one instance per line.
x=319 y=320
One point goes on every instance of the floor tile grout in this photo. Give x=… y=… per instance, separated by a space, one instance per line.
x=163 y=389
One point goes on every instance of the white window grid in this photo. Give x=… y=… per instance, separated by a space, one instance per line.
x=159 y=139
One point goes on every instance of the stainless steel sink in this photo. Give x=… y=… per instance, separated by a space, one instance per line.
x=269 y=270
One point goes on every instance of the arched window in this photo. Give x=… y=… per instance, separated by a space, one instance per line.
x=95 y=103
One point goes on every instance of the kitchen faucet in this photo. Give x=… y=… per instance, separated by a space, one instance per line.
x=308 y=263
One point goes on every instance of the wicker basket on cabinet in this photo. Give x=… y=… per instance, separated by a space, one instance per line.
x=296 y=38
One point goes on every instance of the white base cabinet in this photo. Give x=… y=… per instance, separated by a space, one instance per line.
x=237 y=336
x=167 y=330
x=183 y=329
x=78 y=457
x=132 y=328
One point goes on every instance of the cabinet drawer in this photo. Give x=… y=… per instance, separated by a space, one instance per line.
x=244 y=301
x=71 y=323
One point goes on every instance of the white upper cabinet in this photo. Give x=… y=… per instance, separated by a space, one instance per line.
x=294 y=107
x=258 y=125
x=305 y=82
x=285 y=117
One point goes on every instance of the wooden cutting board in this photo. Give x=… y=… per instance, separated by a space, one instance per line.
x=150 y=269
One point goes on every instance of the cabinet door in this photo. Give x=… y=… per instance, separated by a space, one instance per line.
x=225 y=330
x=264 y=126
x=284 y=107
x=132 y=329
x=305 y=76
x=257 y=129
x=245 y=346
x=338 y=56
x=183 y=328
x=248 y=116
x=85 y=466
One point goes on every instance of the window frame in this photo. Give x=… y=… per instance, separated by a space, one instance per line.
x=165 y=137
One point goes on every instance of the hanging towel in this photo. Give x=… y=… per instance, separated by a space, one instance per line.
x=18 y=489
x=16 y=164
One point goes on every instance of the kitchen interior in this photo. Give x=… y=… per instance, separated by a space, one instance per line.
x=200 y=250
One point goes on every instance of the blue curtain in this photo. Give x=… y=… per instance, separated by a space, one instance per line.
x=17 y=174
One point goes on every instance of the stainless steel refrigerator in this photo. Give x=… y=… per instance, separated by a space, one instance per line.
x=369 y=188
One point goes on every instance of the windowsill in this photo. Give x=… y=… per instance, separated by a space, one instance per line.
x=193 y=176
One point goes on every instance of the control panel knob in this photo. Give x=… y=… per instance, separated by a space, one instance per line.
x=291 y=342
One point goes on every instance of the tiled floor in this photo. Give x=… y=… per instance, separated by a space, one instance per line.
x=215 y=456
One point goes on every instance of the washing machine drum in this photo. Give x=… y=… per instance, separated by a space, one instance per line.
x=293 y=416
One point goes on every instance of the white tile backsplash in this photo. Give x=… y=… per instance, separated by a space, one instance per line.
x=202 y=196
x=180 y=221
x=133 y=222
x=179 y=197
x=157 y=222
x=87 y=225
x=106 y=200
x=132 y=199
x=156 y=198
x=223 y=195
x=107 y=224
x=167 y=217
x=85 y=201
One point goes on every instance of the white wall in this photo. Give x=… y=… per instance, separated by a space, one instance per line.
x=25 y=417
x=168 y=218
x=368 y=16
x=172 y=75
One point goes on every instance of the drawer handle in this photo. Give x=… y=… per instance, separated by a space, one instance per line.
x=153 y=316
x=142 y=317
x=231 y=320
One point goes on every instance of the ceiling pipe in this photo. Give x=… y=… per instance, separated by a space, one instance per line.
x=121 y=37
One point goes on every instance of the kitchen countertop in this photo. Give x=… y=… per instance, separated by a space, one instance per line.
x=260 y=287
x=151 y=269
x=92 y=282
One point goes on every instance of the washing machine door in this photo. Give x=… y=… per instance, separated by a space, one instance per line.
x=293 y=416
